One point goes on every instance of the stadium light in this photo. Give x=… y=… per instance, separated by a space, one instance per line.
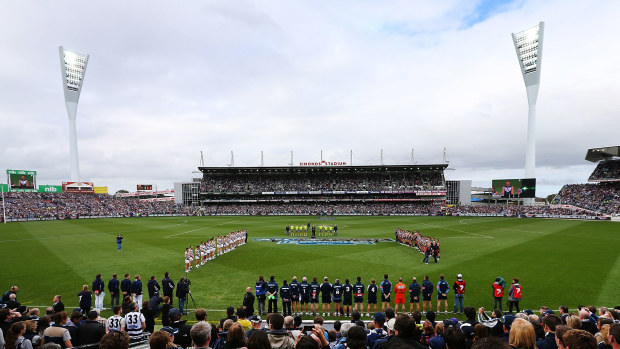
x=529 y=47
x=73 y=67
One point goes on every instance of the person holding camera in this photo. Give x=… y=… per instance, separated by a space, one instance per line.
x=182 y=291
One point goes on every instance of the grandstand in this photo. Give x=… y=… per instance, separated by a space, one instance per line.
x=323 y=190
x=602 y=193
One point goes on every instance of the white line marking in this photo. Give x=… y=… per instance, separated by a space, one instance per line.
x=191 y=231
x=84 y=235
x=457 y=230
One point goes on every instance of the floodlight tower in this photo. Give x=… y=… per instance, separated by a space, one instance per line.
x=73 y=68
x=529 y=46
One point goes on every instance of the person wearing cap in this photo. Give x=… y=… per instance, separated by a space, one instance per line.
x=459 y=293
x=163 y=338
x=182 y=338
x=378 y=332
x=386 y=342
x=230 y=314
x=155 y=304
x=256 y=322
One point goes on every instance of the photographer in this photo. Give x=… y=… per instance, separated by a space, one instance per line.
x=182 y=291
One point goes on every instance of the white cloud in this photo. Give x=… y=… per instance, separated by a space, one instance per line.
x=166 y=81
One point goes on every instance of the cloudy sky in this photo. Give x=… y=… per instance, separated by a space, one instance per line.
x=167 y=80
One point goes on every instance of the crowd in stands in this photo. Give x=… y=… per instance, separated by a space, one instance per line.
x=602 y=197
x=589 y=199
x=60 y=205
x=337 y=181
x=586 y=328
x=606 y=170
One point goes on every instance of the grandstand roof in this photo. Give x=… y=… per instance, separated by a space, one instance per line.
x=323 y=169
x=604 y=153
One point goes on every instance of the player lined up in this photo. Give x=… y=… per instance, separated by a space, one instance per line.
x=427 y=245
x=303 y=230
x=216 y=246
x=303 y=298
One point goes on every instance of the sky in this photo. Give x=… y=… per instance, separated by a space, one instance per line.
x=168 y=80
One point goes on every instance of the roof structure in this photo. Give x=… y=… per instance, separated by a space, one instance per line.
x=603 y=153
x=323 y=169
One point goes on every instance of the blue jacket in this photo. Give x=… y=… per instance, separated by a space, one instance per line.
x=385 y=286
x=98 y=285
x=167 y=286
x=427 y=287
x=272 y=287
x=113 y=286
x=136 y=287
x=260 y=288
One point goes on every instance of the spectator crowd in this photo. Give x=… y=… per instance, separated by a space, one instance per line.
x=323 y=181
x=585 y=328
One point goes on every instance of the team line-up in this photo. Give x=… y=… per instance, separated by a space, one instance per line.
x=296 y=296
x=208 y=250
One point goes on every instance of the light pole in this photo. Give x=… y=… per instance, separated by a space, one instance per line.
x=73 y=67
x=529 y=47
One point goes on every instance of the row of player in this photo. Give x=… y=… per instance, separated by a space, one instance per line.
x=208 y=250
x=303 y=230
x=297 y=296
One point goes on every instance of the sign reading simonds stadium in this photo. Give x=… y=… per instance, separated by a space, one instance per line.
x=324 y=163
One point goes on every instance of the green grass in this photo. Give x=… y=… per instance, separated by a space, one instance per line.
x=557 y=261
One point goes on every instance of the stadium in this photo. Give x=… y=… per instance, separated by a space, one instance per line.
x=209 y=248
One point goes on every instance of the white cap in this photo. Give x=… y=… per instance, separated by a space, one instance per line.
x=459 y=276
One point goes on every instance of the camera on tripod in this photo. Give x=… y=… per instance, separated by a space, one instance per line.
x=188 y=282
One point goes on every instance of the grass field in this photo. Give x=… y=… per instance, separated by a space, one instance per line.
x=557 y=261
